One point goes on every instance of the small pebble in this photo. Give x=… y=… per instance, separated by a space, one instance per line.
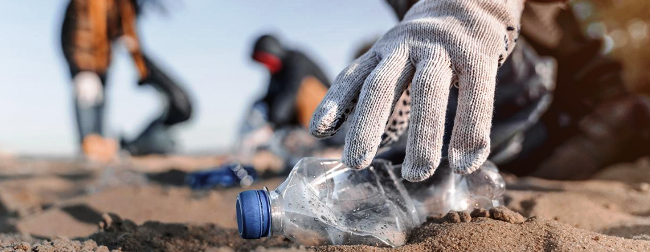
x=504 y=214
x=464 y=217
x=480 y=212
x=452 y=217
x=457 y=217
x=23 y=246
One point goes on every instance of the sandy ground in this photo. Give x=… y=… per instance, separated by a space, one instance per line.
x=58 y=205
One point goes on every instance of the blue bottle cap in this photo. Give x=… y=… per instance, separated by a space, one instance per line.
x=253 y=214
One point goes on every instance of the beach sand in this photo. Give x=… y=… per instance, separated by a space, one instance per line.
x=53 y=205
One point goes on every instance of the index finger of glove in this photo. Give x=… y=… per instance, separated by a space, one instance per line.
x=340 y=99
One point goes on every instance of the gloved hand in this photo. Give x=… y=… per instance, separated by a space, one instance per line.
x=439 y=43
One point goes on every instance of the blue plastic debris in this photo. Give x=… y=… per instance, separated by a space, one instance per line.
x=229 y=175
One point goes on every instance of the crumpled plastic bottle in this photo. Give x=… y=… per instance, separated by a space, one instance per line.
x=324 y=202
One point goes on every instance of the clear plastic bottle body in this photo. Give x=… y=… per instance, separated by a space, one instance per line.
x=324 y=202
x=329 y=203
x=447 y=191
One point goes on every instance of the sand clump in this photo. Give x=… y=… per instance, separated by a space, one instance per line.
x=457 y=217
x=480 y=212
x=504 y=214
x=498 y=213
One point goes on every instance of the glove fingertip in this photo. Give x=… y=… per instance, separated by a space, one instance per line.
x=467 y=163
x=320 y=129
x=466 y=158
x=357 y=161
x=317 y=130
x=417 y=174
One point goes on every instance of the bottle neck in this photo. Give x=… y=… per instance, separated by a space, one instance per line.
x=277 y=213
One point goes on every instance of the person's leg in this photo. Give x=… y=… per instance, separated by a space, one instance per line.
x=86 y=50
x=89 y=102
x=156 y=137
x=178 y=107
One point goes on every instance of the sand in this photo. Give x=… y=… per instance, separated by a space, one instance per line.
x=63 y=205
x=502 y=230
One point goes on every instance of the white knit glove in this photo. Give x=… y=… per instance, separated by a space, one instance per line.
x=439 y=43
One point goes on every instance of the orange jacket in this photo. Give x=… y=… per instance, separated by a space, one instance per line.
x=89 y=29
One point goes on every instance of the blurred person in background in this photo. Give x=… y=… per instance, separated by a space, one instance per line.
x=89 y=30
x=561 y=109
x=595 y=120
x=277 y=123
x=296 y=86
x=274 y=136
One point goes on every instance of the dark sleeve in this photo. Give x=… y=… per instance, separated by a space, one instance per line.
x=401 y=7
x=281 y=99
x=315 y=70
x=67 y=33
x=284 y=86
x=128 y=21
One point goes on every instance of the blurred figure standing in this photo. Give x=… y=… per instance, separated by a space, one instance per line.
x=90 y=27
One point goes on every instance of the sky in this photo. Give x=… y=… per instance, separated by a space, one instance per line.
x=204 y=44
